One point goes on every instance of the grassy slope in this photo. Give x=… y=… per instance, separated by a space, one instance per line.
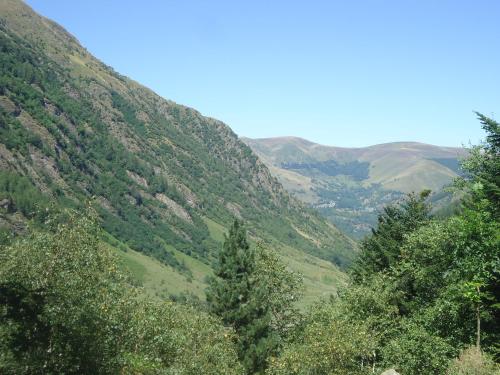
x=409 y=171
x=321 y=278
x=403 y=166
x=162 y=281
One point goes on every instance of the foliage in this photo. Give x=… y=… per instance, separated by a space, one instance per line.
x=483 y=167
x=23 y=197
x=473 y=362
x=236 y=295
x=328 y=344
x=374 y=304
x=254 y=293
x=282 y=289
x=67 y=308
x=380 y=250
x=416 y=351
x=58 y=296
x=179 y=339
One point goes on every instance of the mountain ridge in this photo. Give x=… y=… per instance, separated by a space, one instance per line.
x=350 y=185
x=271 y=150
x=282 y=138
x=162 y=175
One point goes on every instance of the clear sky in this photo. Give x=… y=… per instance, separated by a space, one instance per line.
x=344 y=73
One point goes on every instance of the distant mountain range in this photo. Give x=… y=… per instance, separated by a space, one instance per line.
x=165 y=180
x=350 y=185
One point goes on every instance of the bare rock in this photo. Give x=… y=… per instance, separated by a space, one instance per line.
x=4 y=203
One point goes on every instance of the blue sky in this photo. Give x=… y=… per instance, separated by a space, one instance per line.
x=344 y=73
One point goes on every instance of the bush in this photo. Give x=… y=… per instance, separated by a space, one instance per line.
x=59 y=292
x=328 y=344
x=472 y=361
x=416 y=352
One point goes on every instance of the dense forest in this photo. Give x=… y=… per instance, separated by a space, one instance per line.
x=423 y=298
x=355 y=169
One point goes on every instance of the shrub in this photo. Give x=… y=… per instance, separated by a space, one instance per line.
x=472 y=361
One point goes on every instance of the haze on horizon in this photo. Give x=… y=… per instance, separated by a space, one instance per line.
x=344 y=74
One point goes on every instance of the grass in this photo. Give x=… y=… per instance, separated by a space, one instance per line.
x=216 y=230
x=161 y=281
x=321 y=278
x=424 y=173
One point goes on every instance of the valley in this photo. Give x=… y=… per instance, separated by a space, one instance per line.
x=140 y=237
x=350 y=186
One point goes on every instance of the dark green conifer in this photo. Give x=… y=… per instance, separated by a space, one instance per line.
x=236 y=296
x=382 y=249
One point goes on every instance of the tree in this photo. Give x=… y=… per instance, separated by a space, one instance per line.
x=58 y=292
x=282 y=289
x=382 y=248
x=416 y=351
x=243 y=294
x=329 y=343
x=481 y=219
x=482 y=167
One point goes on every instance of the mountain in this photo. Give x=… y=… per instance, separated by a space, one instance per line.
x=350 y=185
x=165 y=180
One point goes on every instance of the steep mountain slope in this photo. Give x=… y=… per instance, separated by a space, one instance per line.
x=161 y=175
x=349 y=185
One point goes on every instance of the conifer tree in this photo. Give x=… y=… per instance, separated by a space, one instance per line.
x=482 y=167
x=236 y=296
x=381 y=249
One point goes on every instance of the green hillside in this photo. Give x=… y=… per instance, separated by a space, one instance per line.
x=164 y=179
x=349 y=186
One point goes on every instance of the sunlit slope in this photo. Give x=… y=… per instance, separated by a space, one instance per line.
x=321 y=278
x=161 y=175
x=403 y=166
x=350 y=185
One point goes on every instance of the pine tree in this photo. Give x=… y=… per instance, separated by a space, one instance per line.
x=482 y=167
x=236 y=296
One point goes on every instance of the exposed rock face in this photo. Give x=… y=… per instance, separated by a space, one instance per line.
x=174 y=207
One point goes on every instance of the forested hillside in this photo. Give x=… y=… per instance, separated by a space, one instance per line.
x=164 y=179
